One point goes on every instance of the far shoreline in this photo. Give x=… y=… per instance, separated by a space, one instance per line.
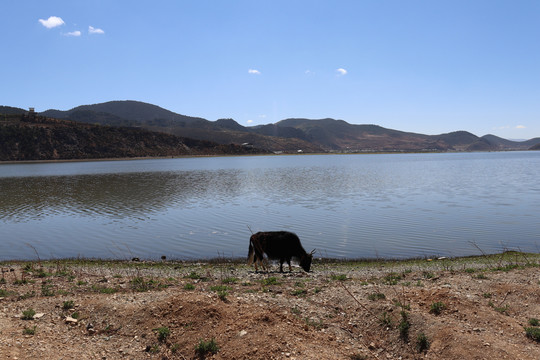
x=45 y=161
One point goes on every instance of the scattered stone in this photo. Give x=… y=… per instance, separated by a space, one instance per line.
x=70 y=320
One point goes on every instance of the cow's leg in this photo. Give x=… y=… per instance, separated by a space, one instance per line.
x=281 y=261
x=289 y=262
x=255 y=263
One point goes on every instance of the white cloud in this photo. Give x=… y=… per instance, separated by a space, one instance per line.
x=51 y=22
x=520 y=127
x=250 y=121
x=254 y=71
x=73 y=33
x=93 y=30
x=341 y=71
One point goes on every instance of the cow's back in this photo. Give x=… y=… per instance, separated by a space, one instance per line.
x=280 y=244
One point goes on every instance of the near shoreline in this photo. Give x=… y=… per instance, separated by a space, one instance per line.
x=453 y=308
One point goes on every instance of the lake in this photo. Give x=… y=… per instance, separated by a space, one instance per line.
x=345 y=206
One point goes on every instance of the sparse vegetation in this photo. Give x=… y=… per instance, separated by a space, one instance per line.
x=189 y=286
x=205 y=347
x=163 y=333
x=404 y=326
x=392 y=279
x=339 y=277
x=28 y=314
x=299 y=292
x=68 y=304
x=422 y=342
x=103 y=289
x=222 y=291
x=30 y=331
x=533 y=333
x=230 y=280
x=376 y=296
x=386 y=320
x=381 y=313
x=270 y=281
x=437 y=308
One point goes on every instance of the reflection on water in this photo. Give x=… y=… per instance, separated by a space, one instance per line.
x=345 y=206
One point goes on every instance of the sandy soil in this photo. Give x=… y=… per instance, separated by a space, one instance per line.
x=340 y=310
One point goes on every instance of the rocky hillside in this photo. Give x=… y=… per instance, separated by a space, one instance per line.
x=24 y=137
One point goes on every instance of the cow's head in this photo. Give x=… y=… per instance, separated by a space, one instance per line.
x=305 y=261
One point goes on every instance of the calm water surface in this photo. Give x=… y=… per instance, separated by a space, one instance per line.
x=392 y=206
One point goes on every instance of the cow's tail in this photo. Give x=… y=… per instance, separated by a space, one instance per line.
x=251 y=253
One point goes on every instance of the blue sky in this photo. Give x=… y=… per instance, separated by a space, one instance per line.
x=430 y=66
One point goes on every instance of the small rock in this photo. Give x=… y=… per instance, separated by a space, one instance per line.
x=38 y=315
x=70 y=320
x=242 y=333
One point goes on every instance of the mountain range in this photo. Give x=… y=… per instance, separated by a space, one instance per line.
x=288 y=135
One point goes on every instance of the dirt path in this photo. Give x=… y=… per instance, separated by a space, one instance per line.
x=448 y=309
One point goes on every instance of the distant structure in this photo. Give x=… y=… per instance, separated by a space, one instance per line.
x=31 y=113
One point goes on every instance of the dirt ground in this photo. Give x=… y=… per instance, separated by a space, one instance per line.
x=472 y=308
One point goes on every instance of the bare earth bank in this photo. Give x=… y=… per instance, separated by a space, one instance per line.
x=465 y=308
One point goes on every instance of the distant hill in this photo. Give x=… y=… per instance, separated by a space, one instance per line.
x=42 y=138
x=132 y=111
x=504 y=144
x=8 y=110
x=154 y=118
x=288 y=135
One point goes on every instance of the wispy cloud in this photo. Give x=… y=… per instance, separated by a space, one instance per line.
x=73 y=33
x=506 y=127
x=250 y=121
x=93 y=30
x=341 y=71
x=254 y=71
x=51 y=22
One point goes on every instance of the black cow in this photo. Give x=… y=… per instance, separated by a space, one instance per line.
x=279 y=245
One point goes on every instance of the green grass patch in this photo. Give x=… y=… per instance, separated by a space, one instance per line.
x=422 y=342
x=189 y=286
x=68 y=305
x=299 y=292
x=29 y=331
x=392 y=278
x=376 y=296
x=28 y=314
x=162 y=333
x=533 y=333
x=205 y=347
x=103 y=289
x=339 y=277
x=229 y=280
x=270 y=281
x=437 y=308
